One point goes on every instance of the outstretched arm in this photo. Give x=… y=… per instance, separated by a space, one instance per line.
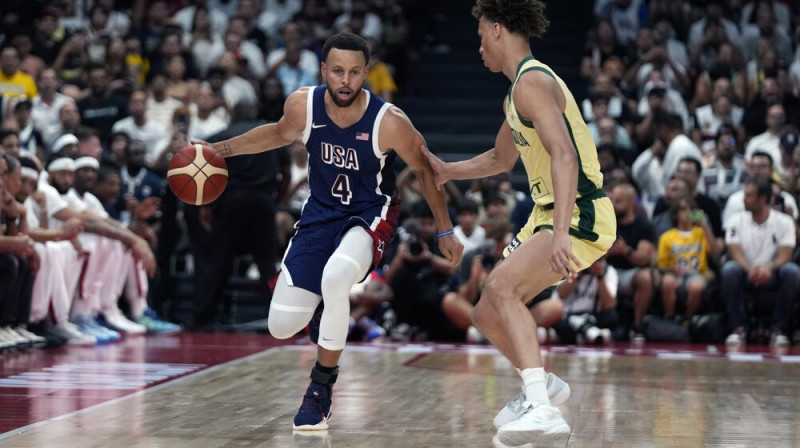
x=398 y=134
x=273 y=135
x=497 y=160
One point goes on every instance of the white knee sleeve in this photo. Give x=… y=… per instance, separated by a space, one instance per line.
x=346 y=267
x=291 y=309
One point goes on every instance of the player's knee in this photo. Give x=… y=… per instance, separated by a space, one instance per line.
x=283 y=325
x=338 y=278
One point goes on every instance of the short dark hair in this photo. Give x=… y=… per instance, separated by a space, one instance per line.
x=5 y=132
x=467 y=205
x=760 y=153
x=697 y=165
x=345 y=41
x=524 y=17
x=763 y=188
x=105 y=172
x=668 y=119
x=27 y=162
x=725 y=129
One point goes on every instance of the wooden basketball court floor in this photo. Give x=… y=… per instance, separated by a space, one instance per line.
x=242 y=390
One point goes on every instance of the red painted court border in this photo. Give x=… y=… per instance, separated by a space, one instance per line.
x=24 y=408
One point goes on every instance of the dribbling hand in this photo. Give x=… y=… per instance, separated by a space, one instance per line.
x=451 y=248
x=437 y=166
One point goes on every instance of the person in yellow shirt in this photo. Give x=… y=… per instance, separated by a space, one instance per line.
x=13 y=82
x=683 y=256
x=379 y=78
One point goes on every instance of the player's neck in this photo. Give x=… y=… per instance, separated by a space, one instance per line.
x=517 y=51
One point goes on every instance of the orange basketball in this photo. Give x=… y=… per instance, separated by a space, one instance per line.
x=197 y=174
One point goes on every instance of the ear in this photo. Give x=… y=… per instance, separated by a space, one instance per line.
x=497 y=30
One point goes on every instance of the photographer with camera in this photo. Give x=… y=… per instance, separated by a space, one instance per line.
x=590 y=305
x=468 y=282
x=419 y=274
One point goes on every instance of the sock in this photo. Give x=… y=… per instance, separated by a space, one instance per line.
x=534 y=383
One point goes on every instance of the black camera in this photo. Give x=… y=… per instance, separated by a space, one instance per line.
x=488 y=261
x=415 y=246
x=409 y=233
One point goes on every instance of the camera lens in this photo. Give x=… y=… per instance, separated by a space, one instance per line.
x=415 y=248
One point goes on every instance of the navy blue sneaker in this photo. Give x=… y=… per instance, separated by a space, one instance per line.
x=315 y=411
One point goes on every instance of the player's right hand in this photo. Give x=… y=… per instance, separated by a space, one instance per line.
x=451 y=248
x=437 y=166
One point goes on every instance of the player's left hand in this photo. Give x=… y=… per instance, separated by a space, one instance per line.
x=561 y=257
x=451 y=248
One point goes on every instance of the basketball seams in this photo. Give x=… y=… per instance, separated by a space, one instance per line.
x=185 y=169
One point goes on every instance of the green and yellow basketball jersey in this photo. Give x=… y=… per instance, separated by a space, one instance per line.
x=535 y=157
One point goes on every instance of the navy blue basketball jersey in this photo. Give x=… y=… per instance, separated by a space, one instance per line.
x=347 y=173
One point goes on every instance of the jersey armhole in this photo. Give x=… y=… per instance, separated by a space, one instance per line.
x=376 y=147
x=309 y=114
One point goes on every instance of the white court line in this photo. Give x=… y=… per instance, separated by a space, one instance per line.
x=172 y=382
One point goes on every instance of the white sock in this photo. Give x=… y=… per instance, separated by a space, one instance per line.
x=534 y=383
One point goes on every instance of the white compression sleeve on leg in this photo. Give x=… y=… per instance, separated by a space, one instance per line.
x=346 y=267
x=291 y=309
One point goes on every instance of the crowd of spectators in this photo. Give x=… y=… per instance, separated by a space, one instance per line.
x=693 y=107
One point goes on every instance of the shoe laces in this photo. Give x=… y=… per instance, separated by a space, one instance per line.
x=516 y=403
x=312 y=400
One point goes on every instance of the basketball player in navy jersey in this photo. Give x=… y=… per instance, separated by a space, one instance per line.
x=352 y=137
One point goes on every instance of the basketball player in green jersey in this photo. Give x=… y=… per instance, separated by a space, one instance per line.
x=572 y=224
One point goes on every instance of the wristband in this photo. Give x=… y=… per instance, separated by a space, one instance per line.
x=445 y=233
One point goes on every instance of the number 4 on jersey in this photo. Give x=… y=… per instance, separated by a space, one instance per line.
x=341 y=189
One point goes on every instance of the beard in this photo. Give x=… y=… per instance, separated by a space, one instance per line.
x=341 y=103
x=61 y=190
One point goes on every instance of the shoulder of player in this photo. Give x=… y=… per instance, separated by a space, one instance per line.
x=395 y=121
x=296 y=105
x=533 y=85
x=297 y=101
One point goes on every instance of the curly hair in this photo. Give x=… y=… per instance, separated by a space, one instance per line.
x=524 y=17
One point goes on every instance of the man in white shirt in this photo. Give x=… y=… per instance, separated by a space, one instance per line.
x=760 y=168
x=160 y=106
x=292 y=33
x=139 y=127
x=235 y=89
x=760 y=243
x=471 y=235
x=770 y=141
x=47 y=106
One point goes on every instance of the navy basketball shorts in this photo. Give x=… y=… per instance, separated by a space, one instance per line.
x=312 y=246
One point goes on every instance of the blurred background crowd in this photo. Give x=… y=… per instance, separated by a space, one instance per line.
x=693 y=106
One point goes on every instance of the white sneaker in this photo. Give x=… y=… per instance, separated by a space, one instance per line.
x=35 y=339
x=70 y=332
x=120 y=323
x=735 y=338
x=538 y=422
x=779 y=340
x=558 y=392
